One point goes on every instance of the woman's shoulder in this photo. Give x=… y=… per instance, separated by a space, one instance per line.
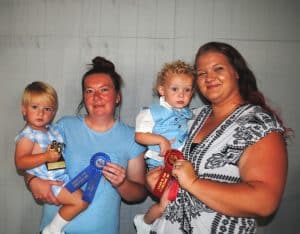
x=257 y=120
x=69 y=122
x=70 y=119
x=254 y=114
x=124 y=126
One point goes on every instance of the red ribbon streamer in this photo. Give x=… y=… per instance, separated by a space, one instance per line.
x=165 y=177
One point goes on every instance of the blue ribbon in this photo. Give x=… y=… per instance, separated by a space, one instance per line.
x=90 y=175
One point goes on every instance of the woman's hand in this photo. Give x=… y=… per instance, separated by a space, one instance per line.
x=41 y=190
x=115 y=174
x=184 y=172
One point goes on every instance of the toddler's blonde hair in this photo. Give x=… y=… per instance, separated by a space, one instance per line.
x=169 y=69
x=42 y=89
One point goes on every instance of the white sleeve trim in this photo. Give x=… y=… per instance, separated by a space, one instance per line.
x=144 y=121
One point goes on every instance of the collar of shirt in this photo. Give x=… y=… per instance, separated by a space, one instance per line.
x=182 y=112
x=162 y=102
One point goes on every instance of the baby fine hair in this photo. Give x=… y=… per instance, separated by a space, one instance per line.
x=169 y=69
x=42 y=89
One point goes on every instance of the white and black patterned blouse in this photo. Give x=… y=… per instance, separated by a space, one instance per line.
x=216 y=158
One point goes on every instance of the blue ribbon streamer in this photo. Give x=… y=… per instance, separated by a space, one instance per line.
x=90 y=175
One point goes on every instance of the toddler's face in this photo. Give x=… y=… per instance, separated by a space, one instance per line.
x=177 y=90
x=39 y=112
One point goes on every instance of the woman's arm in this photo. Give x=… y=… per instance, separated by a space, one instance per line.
x=41 y=189
x=263 y=170
x=129 y=183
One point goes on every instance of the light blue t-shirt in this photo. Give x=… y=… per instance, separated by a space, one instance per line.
x=81 y=143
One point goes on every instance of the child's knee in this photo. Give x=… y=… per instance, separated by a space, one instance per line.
x=82 y=205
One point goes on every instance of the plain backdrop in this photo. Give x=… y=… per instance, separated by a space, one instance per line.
x=54 y=40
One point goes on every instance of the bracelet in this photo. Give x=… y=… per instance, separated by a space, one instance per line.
x=29 y=181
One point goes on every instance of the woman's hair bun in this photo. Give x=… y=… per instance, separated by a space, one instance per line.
x=102 y=63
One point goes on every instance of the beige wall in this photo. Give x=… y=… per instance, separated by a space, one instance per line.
x=53 y=40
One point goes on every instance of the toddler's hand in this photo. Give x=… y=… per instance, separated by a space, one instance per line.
x=164 y=145
x=51 y=154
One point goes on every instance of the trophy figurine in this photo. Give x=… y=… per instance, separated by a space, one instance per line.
x=60 y=163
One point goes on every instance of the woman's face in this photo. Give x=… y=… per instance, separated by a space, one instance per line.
x=217 y=80
x=100 y=96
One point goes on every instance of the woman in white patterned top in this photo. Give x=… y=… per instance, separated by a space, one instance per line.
x=235 y=163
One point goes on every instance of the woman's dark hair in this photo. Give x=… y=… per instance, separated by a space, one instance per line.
x=101 y=65
x=247 y=81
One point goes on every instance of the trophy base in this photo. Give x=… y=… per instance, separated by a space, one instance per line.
x=56 y=165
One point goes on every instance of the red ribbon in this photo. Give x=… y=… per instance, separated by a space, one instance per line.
x=165 y=177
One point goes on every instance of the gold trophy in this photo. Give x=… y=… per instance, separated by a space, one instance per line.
x=60 y=163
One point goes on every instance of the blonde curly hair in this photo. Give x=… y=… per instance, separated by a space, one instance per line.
x=176 y=67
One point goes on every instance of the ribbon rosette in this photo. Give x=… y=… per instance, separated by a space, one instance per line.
x=90 y=175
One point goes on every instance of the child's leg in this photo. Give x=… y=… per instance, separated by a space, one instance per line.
x=72 y=205
x=56 y=225
x=143 y=222
x=140 y=225
x=157 y=209
x=154 y=212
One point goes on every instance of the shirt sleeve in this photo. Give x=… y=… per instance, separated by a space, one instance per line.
x=25 y=133
x=257 y=124
x=144 y=121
